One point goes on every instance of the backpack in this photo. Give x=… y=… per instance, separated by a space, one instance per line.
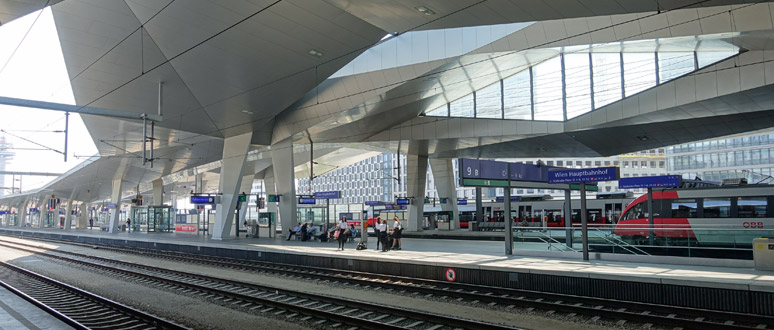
x=361 y=246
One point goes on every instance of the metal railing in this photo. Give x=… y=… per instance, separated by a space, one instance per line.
x=727 y=241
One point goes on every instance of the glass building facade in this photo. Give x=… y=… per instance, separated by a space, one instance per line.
x=749 y=156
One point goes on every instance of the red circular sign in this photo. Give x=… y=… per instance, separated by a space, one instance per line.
x=451 y=274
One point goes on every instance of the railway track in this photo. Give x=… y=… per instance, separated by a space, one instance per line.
x=608 y=309
x=78 y=308
x=318 y=310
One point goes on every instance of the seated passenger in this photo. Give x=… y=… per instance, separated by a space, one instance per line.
x=352 y=231
x=292 y=231
x=312 y=231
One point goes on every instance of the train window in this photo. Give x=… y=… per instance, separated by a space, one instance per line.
x=638 y=211
x=751 y=207
x=719 y=207
x=684 y=208
x=554 y=216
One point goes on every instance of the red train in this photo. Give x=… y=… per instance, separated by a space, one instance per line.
x=724 y=215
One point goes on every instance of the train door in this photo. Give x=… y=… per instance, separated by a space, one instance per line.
x=613 y=212
x=525 y=213
x=487 y=211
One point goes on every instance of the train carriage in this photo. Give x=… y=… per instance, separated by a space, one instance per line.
x=710 y=216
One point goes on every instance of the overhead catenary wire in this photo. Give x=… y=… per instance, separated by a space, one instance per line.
x=24 y=37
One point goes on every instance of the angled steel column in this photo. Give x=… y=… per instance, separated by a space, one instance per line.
x=68 y=211
x=245 y=187
x=21 y=217
x=115 y=198
x=443 y=173
x=284 y=179
x=42 y=206
x=233 y=165
x=83 y=216
x=158 y=192
x=416 y=180
x=268 y=184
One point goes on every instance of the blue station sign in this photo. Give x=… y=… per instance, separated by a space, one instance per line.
x=202 y=199
x=583 y=175
x=661 y=181
x=372 y=203
x=529 y=172
x=444 y=200
x=500 y=199
x=402 y=201
x=494 y=170
x=327 y=195
x=469 y=168
x=462 y=202
x=307 y=200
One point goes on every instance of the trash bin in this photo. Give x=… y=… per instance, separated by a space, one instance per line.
x=763 y=253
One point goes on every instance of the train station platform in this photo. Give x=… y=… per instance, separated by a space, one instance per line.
x=737 y=285
x=17 y=313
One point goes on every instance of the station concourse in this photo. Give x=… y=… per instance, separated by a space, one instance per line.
x=221 y=126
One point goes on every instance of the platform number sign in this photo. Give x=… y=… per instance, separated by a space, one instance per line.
x=451 y=274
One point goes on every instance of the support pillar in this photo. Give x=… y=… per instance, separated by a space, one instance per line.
x=42 y=206
x=416 y=180
x=233 y=165
x=284 y=178
x=443 y=173
x=158 y=192
x=245 y=187
x=268 y=183
x=479 y=207
x=568 y=234
x=115 y=198
x=22 y=214
x=83 y=216
x=508 y=220
x=68 y=211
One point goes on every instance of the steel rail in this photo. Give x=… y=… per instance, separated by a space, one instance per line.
x=73 y=321
x=370 y=307
x=611 y=308
x=626 y=310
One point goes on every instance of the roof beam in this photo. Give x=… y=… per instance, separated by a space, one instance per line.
x=77 y=109
x=29 y=173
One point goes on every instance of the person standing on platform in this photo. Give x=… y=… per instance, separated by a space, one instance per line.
x=91 y=223
x=397 y=229
x=128 y=225
x=342 y=230
x=383 y=235
x=377 y=222
x=303 y=233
